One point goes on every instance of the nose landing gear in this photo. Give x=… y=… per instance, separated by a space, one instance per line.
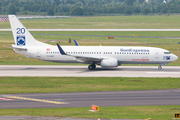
x=92 y=66
x=159 y=68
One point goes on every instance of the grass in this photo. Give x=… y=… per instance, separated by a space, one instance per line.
x=103 y=22
x=12 y=85
x=94 y=40
x=123 y=112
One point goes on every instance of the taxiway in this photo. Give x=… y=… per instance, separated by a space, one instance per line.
x=82 y=71
x=86 y=99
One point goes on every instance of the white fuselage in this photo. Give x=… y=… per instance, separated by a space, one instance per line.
x=123 y=54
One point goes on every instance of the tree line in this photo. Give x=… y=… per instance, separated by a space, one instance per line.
x=87 y=7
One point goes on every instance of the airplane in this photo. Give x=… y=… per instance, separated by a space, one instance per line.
x=105 y=56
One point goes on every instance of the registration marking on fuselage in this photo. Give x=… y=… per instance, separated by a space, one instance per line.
x=38 y=100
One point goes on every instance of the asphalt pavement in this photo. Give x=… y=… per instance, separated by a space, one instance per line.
x=83 y=71
x=86 y=99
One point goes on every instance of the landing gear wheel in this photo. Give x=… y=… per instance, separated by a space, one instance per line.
x=90 y=67
x=159 y=68
x=94 y=66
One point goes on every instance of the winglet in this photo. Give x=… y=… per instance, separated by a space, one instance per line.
x=61 y=50
x=76 y=43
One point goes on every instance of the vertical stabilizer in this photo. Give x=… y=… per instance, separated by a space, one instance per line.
x=21 y=35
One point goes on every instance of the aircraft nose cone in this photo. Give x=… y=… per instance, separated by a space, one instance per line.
x=175 y=57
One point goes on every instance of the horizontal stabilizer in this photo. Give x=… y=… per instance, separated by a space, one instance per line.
x=16 y=47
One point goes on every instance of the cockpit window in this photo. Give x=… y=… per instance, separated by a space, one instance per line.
x=167 y=52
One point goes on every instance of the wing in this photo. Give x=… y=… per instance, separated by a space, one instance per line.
x=78 y=57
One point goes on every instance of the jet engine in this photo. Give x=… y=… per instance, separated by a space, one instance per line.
x=109 y=63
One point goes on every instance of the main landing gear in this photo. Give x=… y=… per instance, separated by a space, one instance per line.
x=92 y=66
x=159 y=68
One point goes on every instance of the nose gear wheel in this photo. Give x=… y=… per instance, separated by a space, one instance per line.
x=159 y=68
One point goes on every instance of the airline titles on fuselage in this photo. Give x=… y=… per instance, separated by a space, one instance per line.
x=134 y=50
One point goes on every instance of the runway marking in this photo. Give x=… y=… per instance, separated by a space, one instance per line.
x=6 y=99
x=165 y=72
x=39 y=100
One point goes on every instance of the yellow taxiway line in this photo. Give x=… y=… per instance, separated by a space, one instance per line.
x=39 y=100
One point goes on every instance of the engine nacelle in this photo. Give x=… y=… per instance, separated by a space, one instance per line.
x=109 y=62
